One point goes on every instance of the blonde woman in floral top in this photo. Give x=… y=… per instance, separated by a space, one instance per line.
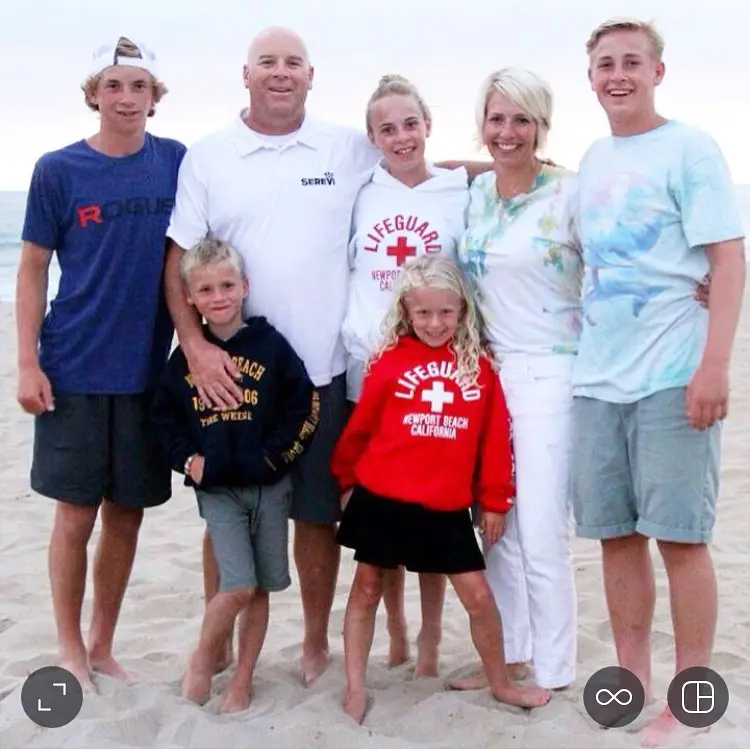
x=521 y=253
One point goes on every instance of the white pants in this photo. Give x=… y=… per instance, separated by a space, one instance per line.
x=529 y=568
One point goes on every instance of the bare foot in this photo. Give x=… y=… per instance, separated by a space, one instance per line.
x=235 y=699
x=313 y=665
x=196 y=684
x=518 y=670
x=666 y=729
x=525 y=697
x=427 y=657
x=356 y=704
x=398 y=652
x=79 y=668
x=478 y=680
x=110 y=666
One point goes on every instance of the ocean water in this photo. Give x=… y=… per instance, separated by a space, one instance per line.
x=12 y=206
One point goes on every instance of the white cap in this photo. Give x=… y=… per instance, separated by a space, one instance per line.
x=106 y=56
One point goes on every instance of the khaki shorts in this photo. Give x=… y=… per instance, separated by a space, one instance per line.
x=642 y=468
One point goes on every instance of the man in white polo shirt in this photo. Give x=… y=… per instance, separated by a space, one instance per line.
x=280 y=187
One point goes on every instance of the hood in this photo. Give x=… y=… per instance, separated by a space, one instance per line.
x=441 y=180
x=255 y=328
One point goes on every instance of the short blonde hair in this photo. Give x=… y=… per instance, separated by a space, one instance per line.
x=436 y=272
x=394 y=84
x=125 y=48
x=622 y=23
x=207 y=252
x=526 y=90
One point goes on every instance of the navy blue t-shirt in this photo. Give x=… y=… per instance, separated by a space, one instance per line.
x=108 y=329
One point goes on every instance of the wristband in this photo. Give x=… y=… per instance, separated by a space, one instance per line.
x=189 y=463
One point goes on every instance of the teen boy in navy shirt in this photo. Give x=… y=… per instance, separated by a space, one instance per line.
x=102 y=204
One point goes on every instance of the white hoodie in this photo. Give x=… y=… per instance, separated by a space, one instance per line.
x=392 y=223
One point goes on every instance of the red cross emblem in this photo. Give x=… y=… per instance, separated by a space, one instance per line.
x=401 y=250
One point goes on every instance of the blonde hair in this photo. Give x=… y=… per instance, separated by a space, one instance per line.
x=435 y=272
x=207 y=252
x=627 y=24
x=394 y=84
x=526 y=90
x=125 y=48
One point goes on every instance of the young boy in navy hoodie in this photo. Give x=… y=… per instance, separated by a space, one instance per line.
x=237 y=460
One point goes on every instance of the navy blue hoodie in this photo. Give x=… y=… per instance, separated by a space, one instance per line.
x=257 y=442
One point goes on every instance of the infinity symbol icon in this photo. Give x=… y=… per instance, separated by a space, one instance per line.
x=614 y=697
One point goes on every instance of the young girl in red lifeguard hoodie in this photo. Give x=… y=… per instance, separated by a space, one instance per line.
x=429 y=437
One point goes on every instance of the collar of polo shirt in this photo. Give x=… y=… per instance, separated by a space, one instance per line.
x=248 y=141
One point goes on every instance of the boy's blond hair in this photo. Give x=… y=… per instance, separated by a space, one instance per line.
x=209 y=251
x=622 y=23
x=435 y=272
x=125 y=48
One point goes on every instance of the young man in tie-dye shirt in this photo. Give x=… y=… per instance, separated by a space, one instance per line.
x=657 y=211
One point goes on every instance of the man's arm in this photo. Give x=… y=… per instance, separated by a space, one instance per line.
x=212 y=368
x=185 y=317
x=34 y=390
x=708 y=393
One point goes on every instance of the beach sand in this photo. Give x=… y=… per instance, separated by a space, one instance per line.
x=162 y=612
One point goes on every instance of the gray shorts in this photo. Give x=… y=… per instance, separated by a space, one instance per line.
x=249 y=530
x=315 y=496
x=98 y=446
x=641 y=468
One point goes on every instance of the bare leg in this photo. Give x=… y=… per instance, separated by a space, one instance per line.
x=112 y=567
x=432 y=593
x=359 y=628
x=252 y=634
x=393 y=599
x=210 y=587
x=630 y=592
x=317 y=558
x=217 y=621
x=486 y=633
x=67 y=563
x=691 y=579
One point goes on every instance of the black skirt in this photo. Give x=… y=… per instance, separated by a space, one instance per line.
x=388 y=533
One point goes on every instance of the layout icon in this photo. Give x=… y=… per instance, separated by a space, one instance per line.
x=698 y=697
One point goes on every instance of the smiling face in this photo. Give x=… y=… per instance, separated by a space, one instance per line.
x=509 y=132
x=217 y=290
x=624 y=73
x=398 y=128
x=434 y=314
x=278 y=76
x=124 y=96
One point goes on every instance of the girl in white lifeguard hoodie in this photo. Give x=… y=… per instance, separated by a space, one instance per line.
x=407 y=208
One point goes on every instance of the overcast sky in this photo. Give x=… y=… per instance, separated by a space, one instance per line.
x=445 y=46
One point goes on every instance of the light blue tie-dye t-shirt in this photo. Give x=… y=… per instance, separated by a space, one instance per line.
x=647 y=206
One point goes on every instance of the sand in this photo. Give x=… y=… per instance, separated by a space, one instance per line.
x=162 y=611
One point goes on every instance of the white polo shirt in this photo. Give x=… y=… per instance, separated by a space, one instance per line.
x=285 y=203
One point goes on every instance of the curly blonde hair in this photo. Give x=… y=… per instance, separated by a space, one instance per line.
x=435 y=272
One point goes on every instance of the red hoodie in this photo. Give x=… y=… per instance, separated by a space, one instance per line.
x=416 y=436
